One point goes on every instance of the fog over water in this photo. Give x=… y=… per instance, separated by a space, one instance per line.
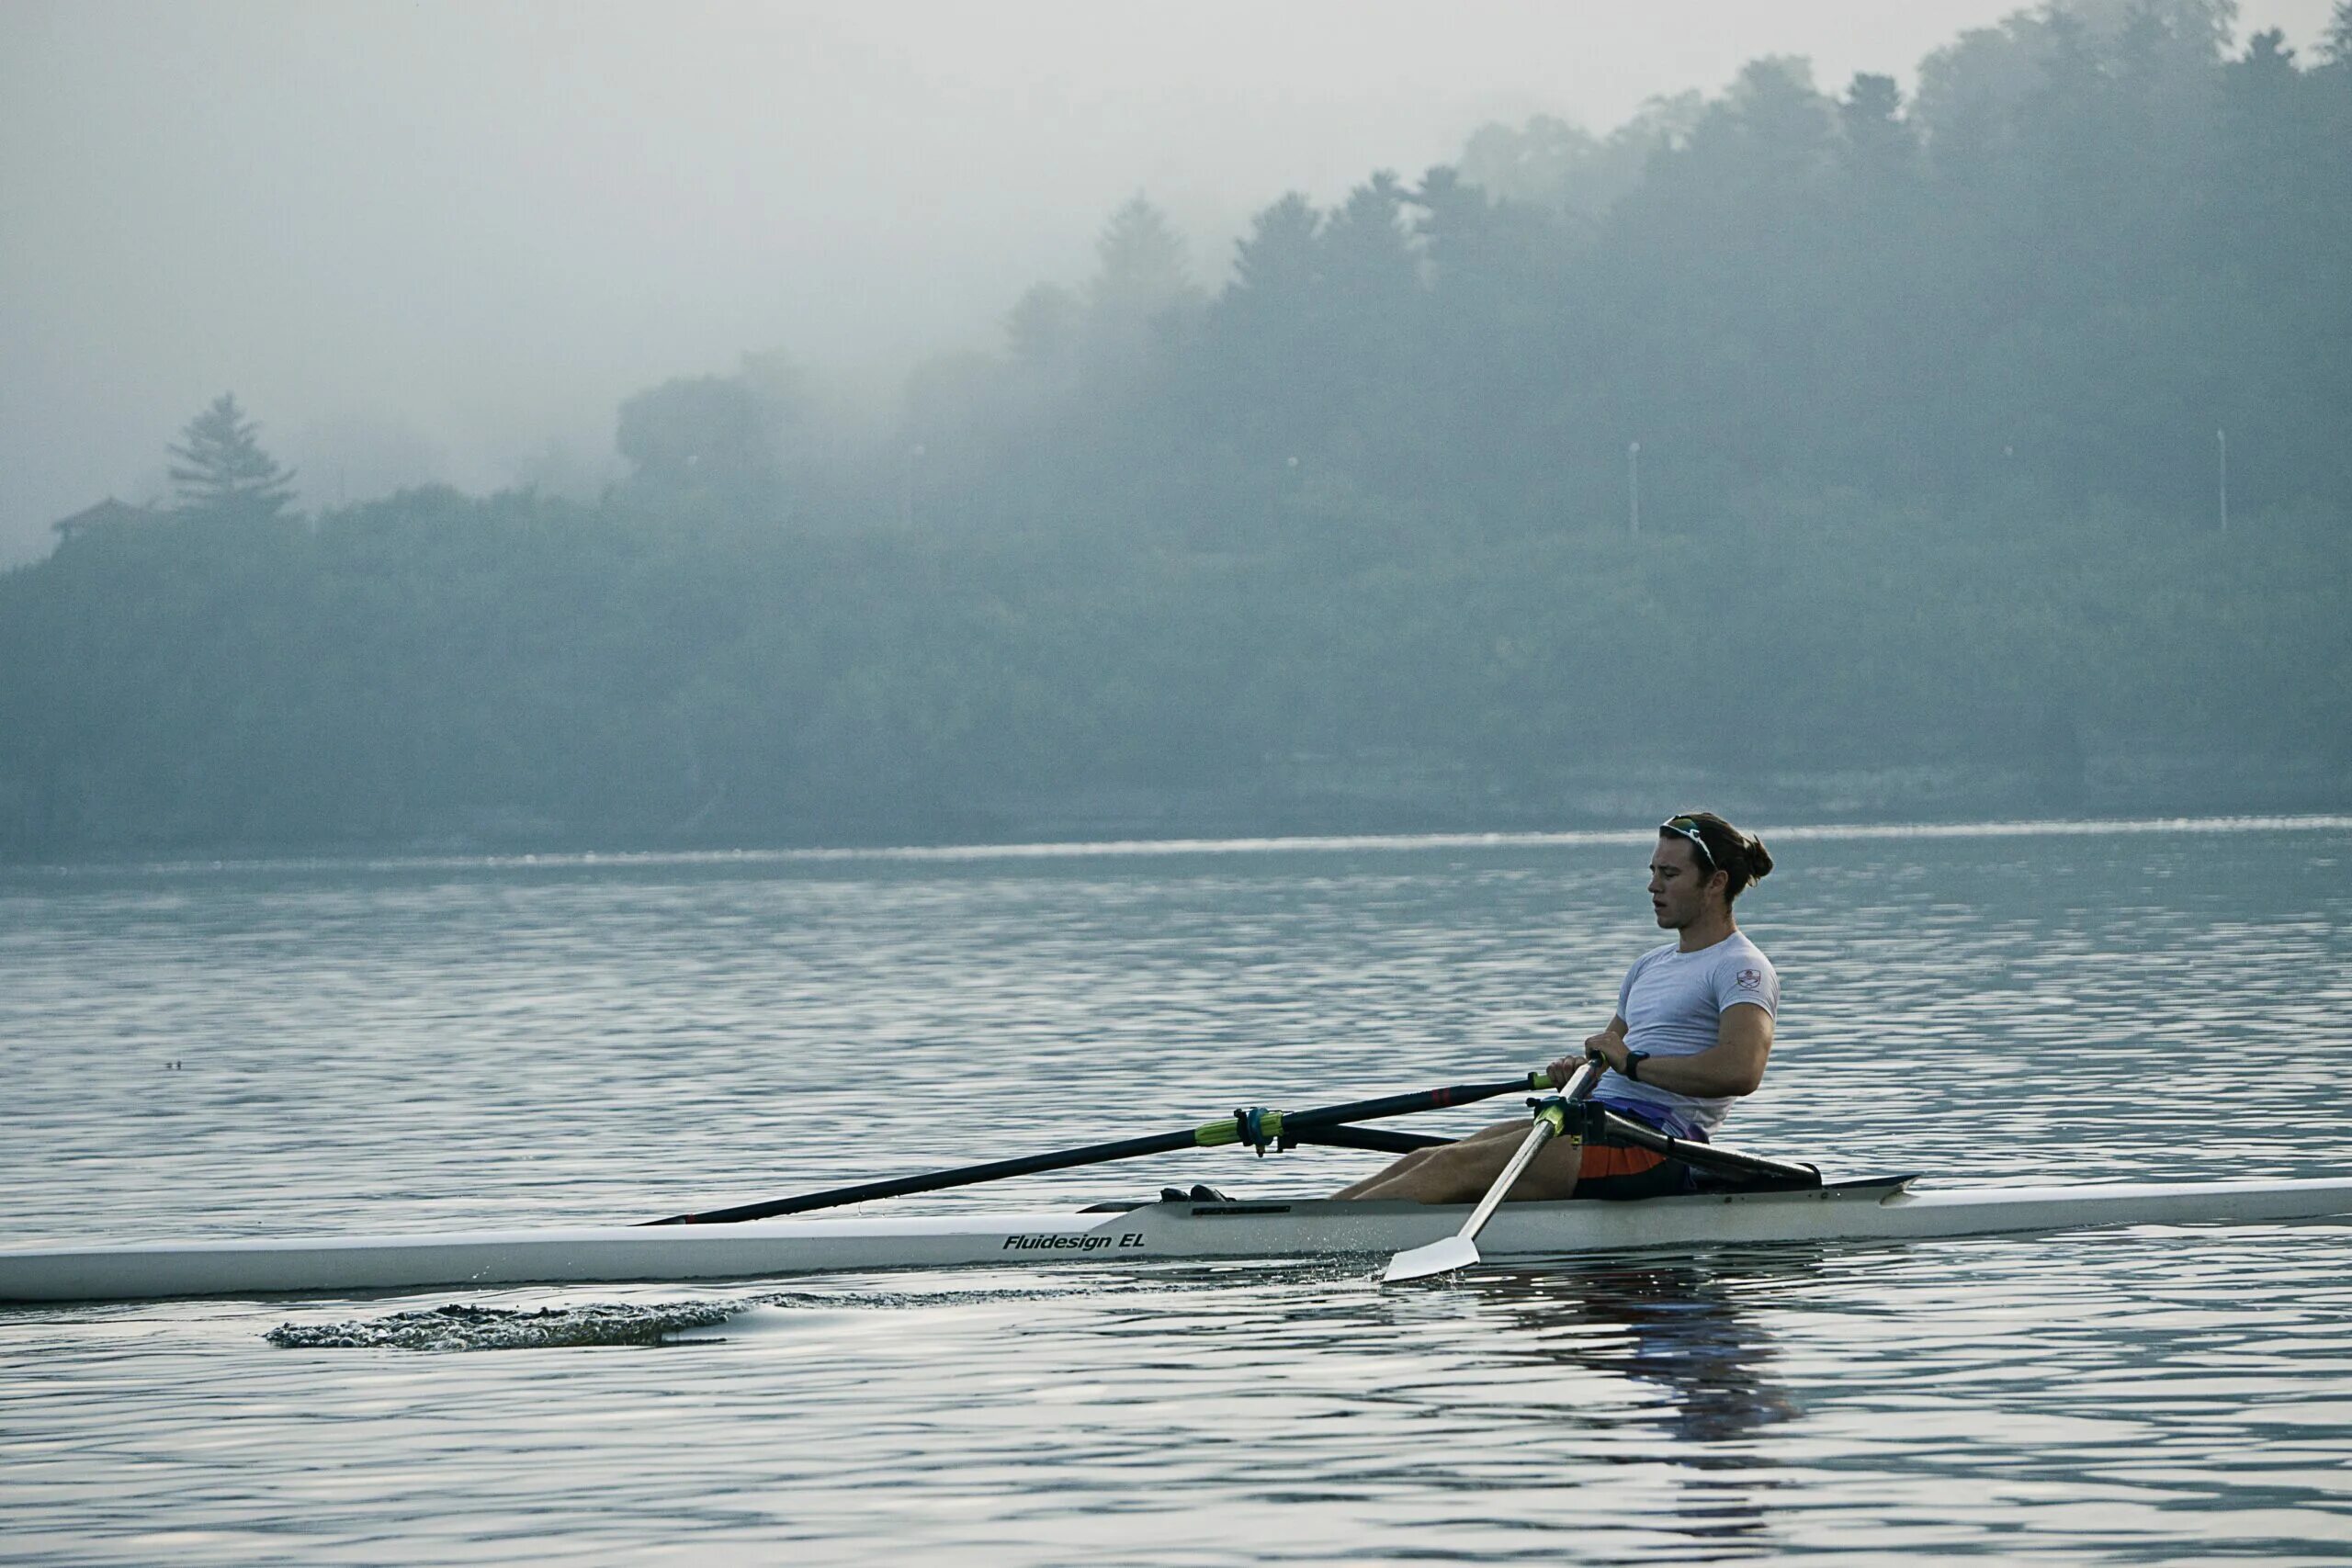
x=441 y=240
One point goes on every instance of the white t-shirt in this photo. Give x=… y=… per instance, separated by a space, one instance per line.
x=1672 y=1003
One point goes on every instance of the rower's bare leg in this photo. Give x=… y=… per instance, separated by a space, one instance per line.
x=1387 y=1175
x=1413 y=1167
x=1461 y=1172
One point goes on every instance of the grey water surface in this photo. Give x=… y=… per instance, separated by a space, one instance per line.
x=253 y=1049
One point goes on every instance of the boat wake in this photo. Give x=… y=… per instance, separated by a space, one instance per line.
x=462 y=1327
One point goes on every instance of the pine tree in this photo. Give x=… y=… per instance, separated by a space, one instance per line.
x=2335 y=44
x=222 y=468
x=1143 y=268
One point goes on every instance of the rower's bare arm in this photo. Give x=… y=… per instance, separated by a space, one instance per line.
x=1733 y=1065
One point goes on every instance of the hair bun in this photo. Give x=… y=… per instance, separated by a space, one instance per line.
x=1759 y=859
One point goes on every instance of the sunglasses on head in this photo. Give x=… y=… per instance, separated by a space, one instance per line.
x=1688 y=828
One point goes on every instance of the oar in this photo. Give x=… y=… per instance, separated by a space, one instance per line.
x=1257 y=1129
x=1460 y=1250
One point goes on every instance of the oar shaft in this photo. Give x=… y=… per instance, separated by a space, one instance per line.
x=1408 y=1104
x=1243 y=1127
x=1551 y=1121
x=1460 y=1250
x=1380 y=1140
x=934 y=1181
x=1547 y=1127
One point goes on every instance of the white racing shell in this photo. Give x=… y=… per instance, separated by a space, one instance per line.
x=1884 y=1210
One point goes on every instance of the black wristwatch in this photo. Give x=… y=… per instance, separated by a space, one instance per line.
x=1633 y=1060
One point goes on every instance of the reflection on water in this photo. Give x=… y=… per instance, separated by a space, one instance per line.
x=1678 y=1326
x=409 y=1046
x=1674 y=1324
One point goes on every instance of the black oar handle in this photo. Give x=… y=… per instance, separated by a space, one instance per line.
x=1380 y=1140
x=1408 y=1104
x=1257 y=1128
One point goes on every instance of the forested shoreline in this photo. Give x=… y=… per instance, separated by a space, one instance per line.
x=1813 y=453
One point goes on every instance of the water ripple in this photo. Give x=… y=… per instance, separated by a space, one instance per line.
x=240 y=1050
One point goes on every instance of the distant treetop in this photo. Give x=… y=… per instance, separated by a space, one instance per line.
x=222 y=468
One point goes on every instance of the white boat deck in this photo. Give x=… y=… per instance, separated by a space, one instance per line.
x=1270 y=1229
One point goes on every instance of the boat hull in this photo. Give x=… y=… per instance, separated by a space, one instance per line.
x=1853 y=1212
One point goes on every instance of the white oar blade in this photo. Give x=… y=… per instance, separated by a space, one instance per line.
x=1447 y=1256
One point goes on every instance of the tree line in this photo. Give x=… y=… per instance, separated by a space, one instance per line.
x=1833 y=450
x=2094 y=240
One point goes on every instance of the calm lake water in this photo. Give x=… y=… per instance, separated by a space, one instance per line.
x=408 y=1046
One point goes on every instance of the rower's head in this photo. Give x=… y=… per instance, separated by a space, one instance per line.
x=1701 y=865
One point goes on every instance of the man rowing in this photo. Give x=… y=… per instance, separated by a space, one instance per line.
x=1692 y=1032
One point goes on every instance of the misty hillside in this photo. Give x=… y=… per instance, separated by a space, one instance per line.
x=1802 y=451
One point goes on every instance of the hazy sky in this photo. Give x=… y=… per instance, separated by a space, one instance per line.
x=434 y=238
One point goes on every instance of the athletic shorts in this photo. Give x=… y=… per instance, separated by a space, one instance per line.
x=1614 y=1172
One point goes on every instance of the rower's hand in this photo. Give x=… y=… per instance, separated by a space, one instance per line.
x=1609 y=1049
x=1604 y=1048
